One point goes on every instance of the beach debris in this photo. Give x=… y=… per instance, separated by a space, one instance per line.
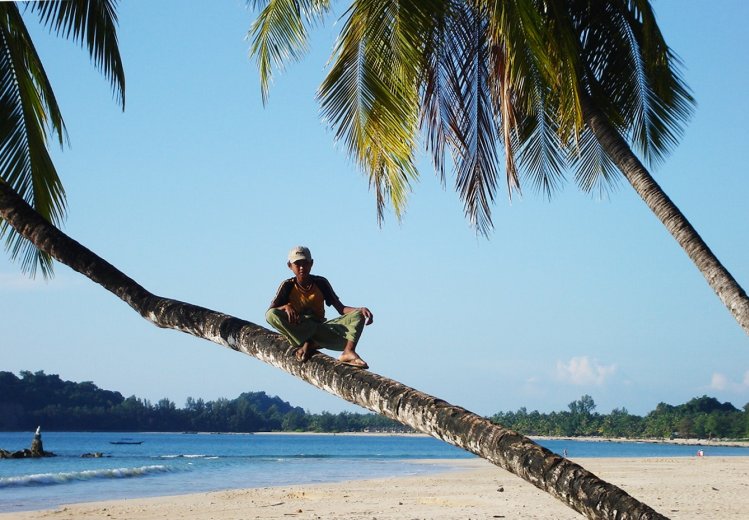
x=501 y=489
x=272 y=505
x=36 y=450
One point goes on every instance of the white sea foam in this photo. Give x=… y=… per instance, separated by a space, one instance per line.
x=49 y=479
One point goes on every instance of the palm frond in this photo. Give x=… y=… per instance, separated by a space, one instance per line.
x=438 y=89
x=562 y=70
x=613 y=72
x=632 y=76
x=27 y=109
x=502 y=93
x=541 y=156
x=370 y=95
x=517 y=32
x=475 y=143
x=480 y=75
x=516 y=27
x=669 y=101
x=595 y=172
x=93 y=22
x=279 y=34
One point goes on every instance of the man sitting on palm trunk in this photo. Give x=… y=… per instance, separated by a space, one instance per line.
x=298 y=312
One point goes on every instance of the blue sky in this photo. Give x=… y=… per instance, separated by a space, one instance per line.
x=195 y=191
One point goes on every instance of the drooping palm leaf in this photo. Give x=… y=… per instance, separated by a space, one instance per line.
x=30 y=114
x=438 y=97
x=95 y=23
x=493 y=75
x=669 y=101
x=28 y=109
x=594 y=170
x=371 y=94
x=561 y=54
x=280 y=33
x=476 y=132
x=631 y=74
x=516 y=57
x=541 y=156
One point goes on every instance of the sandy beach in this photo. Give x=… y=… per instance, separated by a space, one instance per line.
x=709 y=488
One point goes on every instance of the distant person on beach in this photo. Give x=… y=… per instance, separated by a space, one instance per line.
x=298 y=312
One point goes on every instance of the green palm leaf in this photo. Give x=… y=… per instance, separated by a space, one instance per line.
x=484 y=76
x=29 y=114
x=27 y=107
x=541 y=156
x=92 y=21
x=443 y=85
x=631 y=74
x=476 y=147
x=280 y=33
x=669 y=101
x=371 y=94
x=595 y=172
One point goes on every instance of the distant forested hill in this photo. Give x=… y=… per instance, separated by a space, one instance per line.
x=35 y=399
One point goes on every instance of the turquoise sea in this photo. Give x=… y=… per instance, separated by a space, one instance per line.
x=155 y=464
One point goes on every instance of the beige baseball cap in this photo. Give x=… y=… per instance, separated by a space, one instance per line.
x=299 y=253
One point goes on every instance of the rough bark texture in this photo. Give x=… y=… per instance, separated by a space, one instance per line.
x=565 y=480
x=722 y=282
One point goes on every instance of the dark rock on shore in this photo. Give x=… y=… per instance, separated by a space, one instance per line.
x=24 y=454
x=36 y=450
x=94 y=455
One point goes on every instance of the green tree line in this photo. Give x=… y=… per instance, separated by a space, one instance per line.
x=45 y=399
x=35 y=399
x=701 y=417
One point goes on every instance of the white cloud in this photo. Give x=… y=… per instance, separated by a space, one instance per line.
x=722 y=382
x=583 y=370
x=719 y=381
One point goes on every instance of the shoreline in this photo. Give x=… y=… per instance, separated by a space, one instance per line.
x=733 y=443
x=678 y=442
x=711 y=488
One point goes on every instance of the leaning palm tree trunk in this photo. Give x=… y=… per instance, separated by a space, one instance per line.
x=722 y=282
x=570 y=483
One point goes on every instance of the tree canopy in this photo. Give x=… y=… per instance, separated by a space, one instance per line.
x=496 y=85
x=534 y=89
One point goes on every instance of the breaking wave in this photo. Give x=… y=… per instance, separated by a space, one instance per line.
x=51 y=479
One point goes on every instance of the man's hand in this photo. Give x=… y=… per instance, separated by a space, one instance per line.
x=291 y=313
x=368 y=316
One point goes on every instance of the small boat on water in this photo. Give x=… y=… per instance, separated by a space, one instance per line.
x=126 y=441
